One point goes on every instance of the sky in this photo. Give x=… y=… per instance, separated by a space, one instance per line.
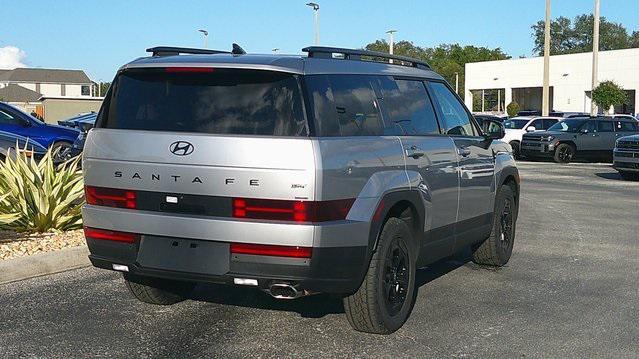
x=100 y=36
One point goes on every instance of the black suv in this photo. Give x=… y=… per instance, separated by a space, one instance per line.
x=586 y=137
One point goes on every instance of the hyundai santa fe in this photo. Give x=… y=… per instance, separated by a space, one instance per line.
x=337 y=172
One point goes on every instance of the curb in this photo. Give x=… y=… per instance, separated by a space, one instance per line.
x=13 y=270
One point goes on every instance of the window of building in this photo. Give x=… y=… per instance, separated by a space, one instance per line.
x=408 y=107
x=85 y=90
x=455 y=119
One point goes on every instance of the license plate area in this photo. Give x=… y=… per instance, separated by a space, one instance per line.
x=184 y=255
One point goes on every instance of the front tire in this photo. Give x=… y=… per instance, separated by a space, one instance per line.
x=156 y=290
x=564 y=153
x=387 y=295
x=61 y=151
x=497 y=249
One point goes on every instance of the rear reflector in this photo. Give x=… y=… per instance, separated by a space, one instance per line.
x=107 y=235
x=110 y=197
x=271 y=250
x=189 y=69
x=295 y=211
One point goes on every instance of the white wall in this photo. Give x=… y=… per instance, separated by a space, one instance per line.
x=570 y=75
x=51 y=89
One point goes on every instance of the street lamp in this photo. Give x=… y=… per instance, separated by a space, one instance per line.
x=391 y=42
x=206 y=36
x=457 y=83
x=595 y=59
x=315 y=7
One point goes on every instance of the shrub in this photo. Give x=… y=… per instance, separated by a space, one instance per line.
x=38 y=196
x=609 y=94
x=512 y=109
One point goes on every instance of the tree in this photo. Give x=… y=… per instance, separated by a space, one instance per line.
x=569 y=37
x=445 y=59
x=607 y=94
x=512 y=109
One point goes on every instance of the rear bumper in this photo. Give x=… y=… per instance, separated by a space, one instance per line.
x=339 y=259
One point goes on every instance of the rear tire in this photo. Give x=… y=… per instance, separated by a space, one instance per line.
x=628 y=176
x=387 y=295
x=157 y=291
x=564 y=153
x=497 y=249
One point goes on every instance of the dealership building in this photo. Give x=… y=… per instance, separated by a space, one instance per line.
x=492 y=85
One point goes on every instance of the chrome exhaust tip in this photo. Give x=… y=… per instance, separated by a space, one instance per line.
x=284 y=291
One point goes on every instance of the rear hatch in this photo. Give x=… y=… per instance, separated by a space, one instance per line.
x=203 y=131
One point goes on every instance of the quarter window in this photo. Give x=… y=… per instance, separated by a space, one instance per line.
x=455 y=120
x=409 y=109
x=624 y=126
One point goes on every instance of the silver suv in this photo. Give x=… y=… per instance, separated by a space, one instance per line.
x=337 y=172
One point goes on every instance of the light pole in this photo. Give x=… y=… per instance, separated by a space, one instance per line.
x=315 y=7
x=206 y=36
x=391 y=42
x=595 y=59
x=545 y=105
x=457 y=83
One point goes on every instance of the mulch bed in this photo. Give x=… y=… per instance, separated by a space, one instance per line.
x=15 y=245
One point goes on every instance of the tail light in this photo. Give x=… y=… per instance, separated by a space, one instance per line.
x=110 y=197
x=294 y=211
x=271 y=250
x=189 y=69
x=108 y=235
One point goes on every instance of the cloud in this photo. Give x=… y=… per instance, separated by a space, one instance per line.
x=11 y=57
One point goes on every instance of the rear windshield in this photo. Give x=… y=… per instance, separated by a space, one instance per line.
x=214 y=101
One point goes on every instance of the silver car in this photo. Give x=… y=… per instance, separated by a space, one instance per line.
x=626 y=157
x=296 y=175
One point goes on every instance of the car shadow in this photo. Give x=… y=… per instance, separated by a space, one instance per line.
x=609 y=175
x=312 y=306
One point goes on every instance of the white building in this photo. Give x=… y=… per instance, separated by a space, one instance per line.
x=49 y=82
x=521 y=80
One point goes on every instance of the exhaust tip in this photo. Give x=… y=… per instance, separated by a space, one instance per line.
x=284 y=291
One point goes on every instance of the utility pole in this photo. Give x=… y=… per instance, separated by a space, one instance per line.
x=391 y=42
x=457 y=83
x=206 y=36
x=315 y=7
x=595 y=59
x=545 y=106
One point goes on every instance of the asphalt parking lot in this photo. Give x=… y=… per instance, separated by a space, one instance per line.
x=571 y=289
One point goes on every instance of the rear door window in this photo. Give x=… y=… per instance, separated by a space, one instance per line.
x=605 y=126
x=408 y=107
x=344 y=105
x=214 y=101
x=455 y=119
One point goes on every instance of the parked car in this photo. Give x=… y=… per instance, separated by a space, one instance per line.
x=516 y=127
x=562 y=114
x=15 y=121
x=83 y=122
x=291 y=174
x=10 y=144
x=586 y=137
x=626 y=157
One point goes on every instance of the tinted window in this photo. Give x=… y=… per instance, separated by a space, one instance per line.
x=605 y=126
x=624 y=126
x=567 y=126
x=537 y=124
x=515 y=124
x=344 y=105
x=219 y=102
x=590 y=126
x=455 y=119
x=409 y=108
x=548 y=123
x=8 y=119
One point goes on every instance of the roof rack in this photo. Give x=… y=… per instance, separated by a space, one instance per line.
x=351 y=54
x=172 y=50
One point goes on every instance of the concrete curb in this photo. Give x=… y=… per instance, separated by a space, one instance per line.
x=13 y=270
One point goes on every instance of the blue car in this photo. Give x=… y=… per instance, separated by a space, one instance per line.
x=15 y=121
x=82 y=122
x=8 y=143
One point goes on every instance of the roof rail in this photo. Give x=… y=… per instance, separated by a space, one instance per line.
x=171 y=50
x=351 y=54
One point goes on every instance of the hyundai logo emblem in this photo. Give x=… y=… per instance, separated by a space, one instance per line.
x=181 y=148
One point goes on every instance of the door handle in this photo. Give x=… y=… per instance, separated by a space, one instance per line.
x=414 y=152
x=463 y=151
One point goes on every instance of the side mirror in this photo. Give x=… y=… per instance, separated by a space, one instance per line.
x=531 y=129
x=493 y=130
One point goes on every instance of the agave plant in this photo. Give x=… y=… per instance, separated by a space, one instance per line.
x=40 y=196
